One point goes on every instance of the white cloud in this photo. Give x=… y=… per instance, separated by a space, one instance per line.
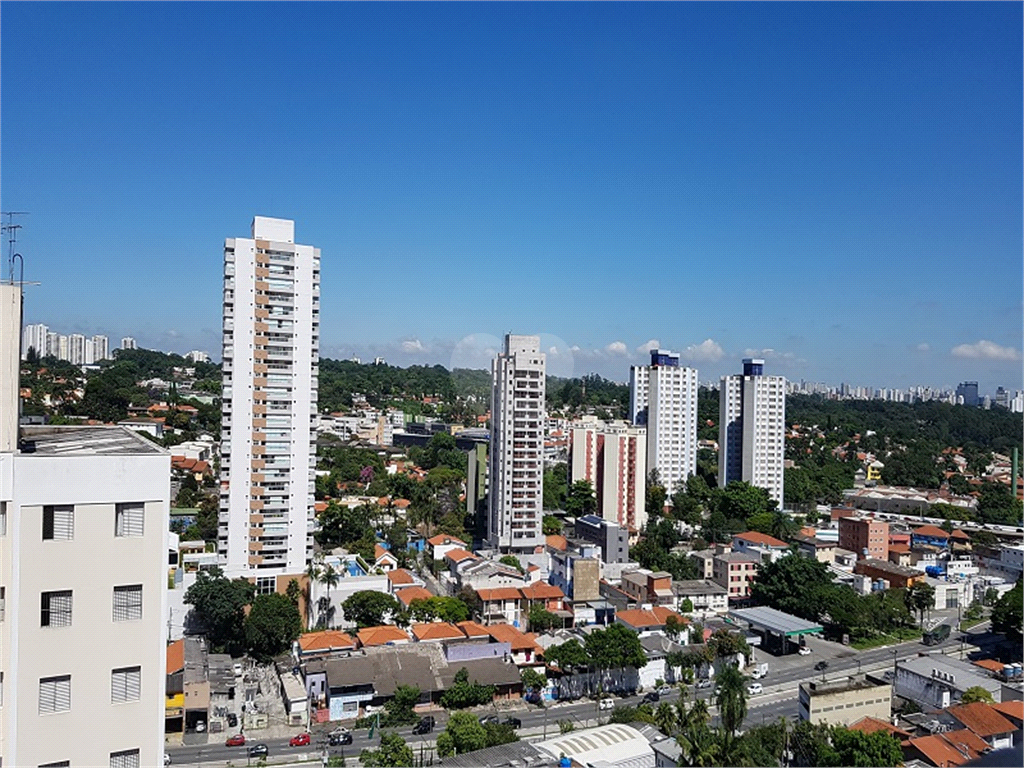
x=708 y=350
x=769 y=354
x=924 y=346
x=985 y=350
x=413 y=345
x=616 y=348
x=648 y=346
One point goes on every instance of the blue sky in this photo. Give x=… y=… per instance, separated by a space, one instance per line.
x=837 y=187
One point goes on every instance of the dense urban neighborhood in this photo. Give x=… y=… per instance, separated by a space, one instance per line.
x=338 y=562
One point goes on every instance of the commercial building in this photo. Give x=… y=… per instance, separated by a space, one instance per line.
x=865 y=536
x=663 y=396
x=706 y=596
x=83 y=576
x=896 y=576
x=968 y=391
x=843 y=702
x=269 y=423
x=612 y=457
x=752 y=429
x=611 y=538
x=517 y=446
x=935 y=681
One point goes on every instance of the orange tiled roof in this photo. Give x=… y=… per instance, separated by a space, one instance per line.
x=662 y=613
x=958 y=534
x=499 y=593
x=458 y=555
x=541 y=591
x=400 y=576
x=872 y=724
x=1012 y=709
x=472 y=629
x=557 y=542
x=442 y=539
x=175 y=656
x=402 y=503
x=319 y=506
x=966 y=740
x=990 y=664
x=639 y=619
x=437 y=630
x=931 y=530
x=370 y=636
x=938 y=751
x=407 y=594
x=756 y=537
x=506 y=633
x=327 y=640
x=379 y=552
x=901 y=549
x=982 y=718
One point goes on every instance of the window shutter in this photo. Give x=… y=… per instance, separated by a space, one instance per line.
x=130 y=520
x=54 y=694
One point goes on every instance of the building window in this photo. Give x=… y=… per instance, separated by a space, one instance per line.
x=54 y=694
x=58 y=523
x=266 y=585
x=61 y=764
x=3 y=518
x=128 y=519
x=3 y=602
x=55 y=609
x=125 y=684
x=128 y=602
x=127 y=759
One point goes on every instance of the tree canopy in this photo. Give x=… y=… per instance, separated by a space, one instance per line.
x=370 y=609
x=272 y=625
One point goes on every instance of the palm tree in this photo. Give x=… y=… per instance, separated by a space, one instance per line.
x=329 y=578
x=699 y=746
x=312 y=574
x=665 y=718
x=731 y=699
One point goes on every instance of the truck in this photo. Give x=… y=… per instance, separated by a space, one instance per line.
x=936 y=635
x=757 y=671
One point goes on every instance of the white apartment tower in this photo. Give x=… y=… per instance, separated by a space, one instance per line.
x=612 y=457
x=83 y=587
x=128 y=343
x=515 y=506
x=663 y=395
x=100 y=347
x=268 y=434
x=752 y=429
x=34 y=337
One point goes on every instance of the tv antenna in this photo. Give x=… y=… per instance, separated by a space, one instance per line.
x=12 y=236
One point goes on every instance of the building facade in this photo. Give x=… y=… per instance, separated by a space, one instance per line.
x=516 y=494
x=752 y=429
x=844 y=702
x=866 y=537
x=269 y=424
x=663 y=396
x=612 y=457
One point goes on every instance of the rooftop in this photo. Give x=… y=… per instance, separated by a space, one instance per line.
x=756 y=537
x=85 y=441
x=888 y=567
x=817 y=688
x=983 y=719
x=775 y=621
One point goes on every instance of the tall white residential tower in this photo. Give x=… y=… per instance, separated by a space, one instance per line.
x=268 y=434
x=752 y=429
x=663 y=395
x=515 y=506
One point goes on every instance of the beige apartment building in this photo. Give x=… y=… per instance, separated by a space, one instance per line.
x=846 y=701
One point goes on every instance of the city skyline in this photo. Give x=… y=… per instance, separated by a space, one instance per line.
x=810 y=184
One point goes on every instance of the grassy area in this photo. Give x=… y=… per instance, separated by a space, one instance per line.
x=968 y=623
x=900 y=636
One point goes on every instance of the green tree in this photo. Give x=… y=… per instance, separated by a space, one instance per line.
x=796 y=585
x=532 y=679
x=976 y=693
x=449 y=609
x=1006 y=615
x=656 y=495
x=742 y=500
x=370 y=609
x=500 y=733
x=271 y=627
x=580 y=499
x=551 y=525
x=615 y=648
x=399 y=710
x=511 y=561
x=568 y=657
x=218 y=607
x=464 y=693
x=866 y=749
x=464 y=733
x=731 y=698
x=541 y=619
x=393 y=752
x=921 y=597
x=554 y=486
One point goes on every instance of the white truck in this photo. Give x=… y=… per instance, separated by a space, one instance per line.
x=759 y=670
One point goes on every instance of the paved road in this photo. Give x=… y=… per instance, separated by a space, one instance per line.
x=779 y=700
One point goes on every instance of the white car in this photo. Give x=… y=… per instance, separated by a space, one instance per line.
x=804 y=651
x=755 y=688
x=665 y=690
x=238 y=669
x=704 y=683
x=606 y=704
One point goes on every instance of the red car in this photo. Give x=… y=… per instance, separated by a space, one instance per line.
x=302 y=740
x=238 y=740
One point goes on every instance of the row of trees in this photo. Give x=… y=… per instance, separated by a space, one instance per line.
x=611 y=650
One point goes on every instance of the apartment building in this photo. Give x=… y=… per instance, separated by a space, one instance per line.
x=269 y=422
x=735 y=571
x=865 y=536
x=515 y=506
x=663 y=396
x=83 y=585
x=845 y=701
x=612 y=457
x=752 y=429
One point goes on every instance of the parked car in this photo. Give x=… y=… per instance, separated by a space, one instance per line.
x=664 y=690
x=755 y=688
x=425 y=725
x=232 y=720
x=258 y=750
x=167 y=759
x=607 y=703
x=338 y=739
x=200 y=726
x=515 y=722
x=804 y=651
x=301 y=740
x=704 y=683
x=651 y=698
x=238 y=669
x=238 y=740
x=489 y=719
x=821 y=665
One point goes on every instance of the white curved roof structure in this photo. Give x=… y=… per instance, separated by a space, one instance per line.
x=617 y=745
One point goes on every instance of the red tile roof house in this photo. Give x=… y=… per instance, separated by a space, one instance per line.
x=759 y=545
x=436 y=630
x=399 y=578
x=502 y=604
x=406 y=595
x=388 y=634
x=384 y=559
x=986 y=721
x=316 y=645
x=458 y=557
x=645 y=622
x=524 y=647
